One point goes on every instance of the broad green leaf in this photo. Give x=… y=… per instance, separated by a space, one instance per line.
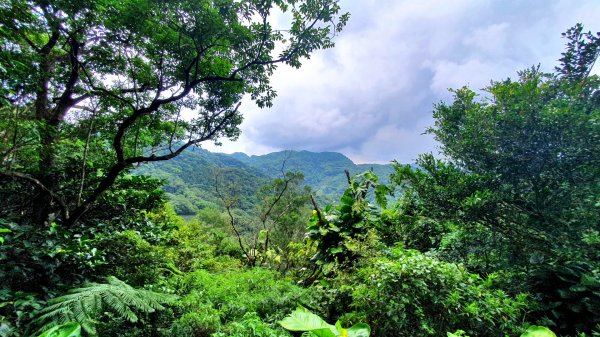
x=325 y=332
x=303 y=320
x=359 y=330
x=538 y=331
x=71 y=329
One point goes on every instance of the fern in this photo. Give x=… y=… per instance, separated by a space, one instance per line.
x=84 y=305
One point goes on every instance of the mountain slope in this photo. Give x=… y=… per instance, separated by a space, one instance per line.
x=323 y=171
x=191 y=176
x=190 y=179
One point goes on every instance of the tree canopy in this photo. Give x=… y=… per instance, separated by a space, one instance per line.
x=517 y=191
x=112 y=81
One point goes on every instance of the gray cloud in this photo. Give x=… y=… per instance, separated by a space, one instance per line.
x=371 y=97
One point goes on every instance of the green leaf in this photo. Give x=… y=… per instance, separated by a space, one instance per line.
x=325 y=332
x=336 y=250
x=359 y=330
x=303 y=320
x=262 y=235
x=538 y=331
x=71 y=329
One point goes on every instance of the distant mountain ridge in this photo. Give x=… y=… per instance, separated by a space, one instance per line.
x=323 y=171
x=190 y=177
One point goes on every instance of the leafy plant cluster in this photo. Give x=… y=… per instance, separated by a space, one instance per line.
x=497 y=238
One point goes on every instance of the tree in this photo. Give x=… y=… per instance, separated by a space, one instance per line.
x=277 y=219
x=91 y=88
x=520 y=181
x=524 y=159
x=339 y=233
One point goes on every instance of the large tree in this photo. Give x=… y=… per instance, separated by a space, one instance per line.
x=91 y=88
x=523 y=159
x=518 y=188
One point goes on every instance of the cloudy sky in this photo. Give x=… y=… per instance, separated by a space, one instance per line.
x=371 y=97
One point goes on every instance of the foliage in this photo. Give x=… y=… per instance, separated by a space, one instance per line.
x=264 y=237
x=85 y=305
x=525 y=160
x=517 y=191
x=411 y=294
x=90 y=89
x=70 y=329
x=570 y=294
x=406 y=221
x=197 y=324
x=338 y=231
x=538 y=331
x=532 y=331
x=197 y=245
x=250 y=325
x=132 y=259
x=283 y=209
x=32 y=258
x=234 y=293
x=304 y=320
x=16 y=311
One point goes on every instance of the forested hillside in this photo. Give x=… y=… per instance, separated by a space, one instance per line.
x=323 y=172
x=191 y=177
x=498 y=236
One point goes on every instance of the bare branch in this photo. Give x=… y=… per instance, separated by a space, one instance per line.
x=228 y=206
x=316 y=208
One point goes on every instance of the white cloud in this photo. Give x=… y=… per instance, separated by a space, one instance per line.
x=371 y=96
x=490 y=40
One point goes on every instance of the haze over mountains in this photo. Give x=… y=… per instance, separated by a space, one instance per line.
x=190 y=178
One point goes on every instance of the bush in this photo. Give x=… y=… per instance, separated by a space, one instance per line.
x=235 y=293
x=411 y=294
x=251 y=326
x=202 y=323
x=197 y=246
x=569 y=295
x=132 y=259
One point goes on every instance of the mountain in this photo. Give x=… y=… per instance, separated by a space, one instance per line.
x=190 y=177
x=323 y=171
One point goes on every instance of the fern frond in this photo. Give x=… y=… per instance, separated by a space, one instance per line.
x=84 y=305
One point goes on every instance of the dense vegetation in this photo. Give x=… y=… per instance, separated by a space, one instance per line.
x=498 y=237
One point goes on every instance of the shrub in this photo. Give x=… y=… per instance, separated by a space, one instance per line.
x=202 y=323
x=251 y=326
x=569 y=296
x=197 y=246
x=411 y=294
x=235 y=293
x=132 y=259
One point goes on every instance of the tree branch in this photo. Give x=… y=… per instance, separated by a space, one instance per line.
x=63 y=207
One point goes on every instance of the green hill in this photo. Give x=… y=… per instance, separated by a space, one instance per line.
x=190 y=179
x=323 y=171
x=191 y=176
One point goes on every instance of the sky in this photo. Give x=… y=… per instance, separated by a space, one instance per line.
x=371 y=97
